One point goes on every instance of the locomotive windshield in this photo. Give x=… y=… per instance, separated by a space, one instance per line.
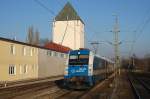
x=78 y=59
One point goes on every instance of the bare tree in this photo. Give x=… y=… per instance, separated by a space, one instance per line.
x=44 y=41
x=33 y=37
x=30 y=35
x=36 y=38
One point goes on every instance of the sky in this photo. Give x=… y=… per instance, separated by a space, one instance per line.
x=16 y=16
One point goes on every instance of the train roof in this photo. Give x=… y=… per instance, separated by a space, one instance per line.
x=82 y=51
x=87 y=51
x=104 y=58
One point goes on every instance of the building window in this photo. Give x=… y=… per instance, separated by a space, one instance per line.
x=25 y=69
x=31 y=51
x=12 y=49
x=62 y=55
x=20 y=66
x=37 y=51
x=34 y=50
x=12 y=70
x=55 y=54
x=65 y=55
x=24 y=50
x=58 y=54
x=49 y=53
x=33 y=67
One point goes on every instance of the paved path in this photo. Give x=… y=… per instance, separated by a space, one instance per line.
x=122 y=89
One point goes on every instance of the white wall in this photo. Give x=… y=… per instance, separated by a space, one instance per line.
x=50 y=65
x=74 y=37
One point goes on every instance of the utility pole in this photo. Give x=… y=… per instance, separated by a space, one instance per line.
x=116 y=43
x=95 y=46
x=116 y=52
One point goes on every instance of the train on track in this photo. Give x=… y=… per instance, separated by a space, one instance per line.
x=84 y=69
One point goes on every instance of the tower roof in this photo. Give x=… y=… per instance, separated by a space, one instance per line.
x=68 y=13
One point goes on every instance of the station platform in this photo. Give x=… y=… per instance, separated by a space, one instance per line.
x=122 y=88
x=115 y=87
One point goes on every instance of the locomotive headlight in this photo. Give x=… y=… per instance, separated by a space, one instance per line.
x=66 y=62
x=66 y=72
x=90 y=71
x=90 y=67
x=66 y=68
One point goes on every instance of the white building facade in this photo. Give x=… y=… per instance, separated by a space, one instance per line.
x=68 y=28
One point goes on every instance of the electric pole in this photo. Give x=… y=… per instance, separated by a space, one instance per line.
x=95 y=46
x=116 y=44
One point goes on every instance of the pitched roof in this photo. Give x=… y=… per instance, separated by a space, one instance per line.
x=68 y=13
x=57 y=47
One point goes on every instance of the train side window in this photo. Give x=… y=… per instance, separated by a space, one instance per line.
x=97 y=63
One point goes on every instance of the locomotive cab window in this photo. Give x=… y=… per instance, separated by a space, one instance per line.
x=78 y=59
x=83 y=56
x=73 y=57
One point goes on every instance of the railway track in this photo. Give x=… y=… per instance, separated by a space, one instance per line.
x=88 y=94
x=46 y=90
x=29 y=91
x=48 y=93
x=73 y=95
x=140 y=89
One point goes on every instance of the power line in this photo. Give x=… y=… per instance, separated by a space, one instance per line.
x=53 y=13
x=60 y=3
x=139 y=31
x=95 y=45
x=65 y=31
x=143 y=27
x=138 y=35
x=46 y=8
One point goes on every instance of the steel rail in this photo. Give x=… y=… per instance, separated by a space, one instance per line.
x=136 y=93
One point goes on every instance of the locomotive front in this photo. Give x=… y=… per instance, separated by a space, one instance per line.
x=78 y=72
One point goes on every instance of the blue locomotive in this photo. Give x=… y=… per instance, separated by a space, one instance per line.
x=84 y=69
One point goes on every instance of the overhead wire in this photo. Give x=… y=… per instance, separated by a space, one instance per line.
x=139 y=31
x=64 y=33
x=53 y=13
x=46 y=8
